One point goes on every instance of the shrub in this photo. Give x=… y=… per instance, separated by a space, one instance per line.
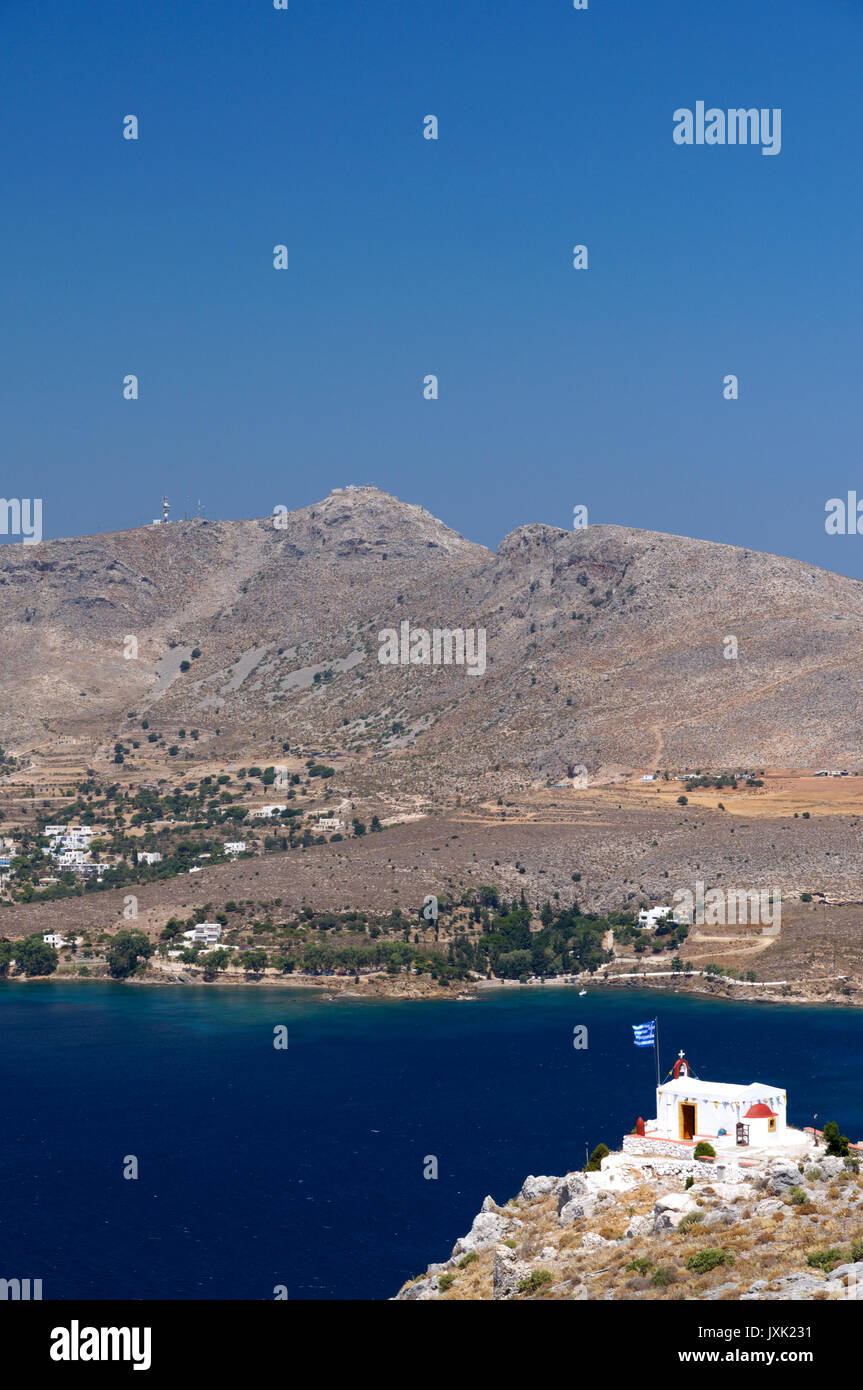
x=856 y=1249
x=445 y=1281
x=797 y=1196
x=689 y=1181
x=704 y=1150
x=825 y=1259
x=469 y=1259
x=640 y=1265
x=185 y=665
x=663 y=1277
x=837 y=1144
x=691 y=1218
x=704 y=1260
x=594 y=1163
x=534 y=1281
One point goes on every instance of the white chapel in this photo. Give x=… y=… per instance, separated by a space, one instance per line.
x=726 y=1115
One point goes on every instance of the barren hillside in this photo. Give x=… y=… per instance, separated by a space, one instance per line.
x=605 y=648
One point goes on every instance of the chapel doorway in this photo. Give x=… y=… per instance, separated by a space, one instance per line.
x=687 y=1121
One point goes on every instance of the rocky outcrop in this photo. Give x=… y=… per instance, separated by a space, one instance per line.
x=652 y=1228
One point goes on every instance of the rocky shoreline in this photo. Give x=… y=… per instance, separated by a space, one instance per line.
x=416 y=987
x=649 y=1228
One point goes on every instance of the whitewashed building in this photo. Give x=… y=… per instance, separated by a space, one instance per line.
x=649 y=916
x=268 y=811
x=149 y=856
x=235 y=846
x=208 y=932
x=70 y=858
x=725 y=1114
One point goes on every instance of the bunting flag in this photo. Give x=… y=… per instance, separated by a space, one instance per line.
x=645 y=1034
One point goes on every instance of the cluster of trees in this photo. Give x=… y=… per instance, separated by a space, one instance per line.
x=567 y=942
x=722 y=779
x=667 y=935
x=32 y=956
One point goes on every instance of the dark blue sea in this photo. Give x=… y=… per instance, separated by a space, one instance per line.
x=304 y=1167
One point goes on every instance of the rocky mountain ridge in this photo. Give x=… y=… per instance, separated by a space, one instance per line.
x=606 y=647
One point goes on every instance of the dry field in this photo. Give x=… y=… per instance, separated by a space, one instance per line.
x=784 y=792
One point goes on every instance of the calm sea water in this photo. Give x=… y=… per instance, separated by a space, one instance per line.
x=305 y=1167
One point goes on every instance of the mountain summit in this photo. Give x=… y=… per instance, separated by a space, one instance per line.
x=605 y=647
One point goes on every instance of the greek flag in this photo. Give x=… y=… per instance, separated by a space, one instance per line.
x=645 y=1034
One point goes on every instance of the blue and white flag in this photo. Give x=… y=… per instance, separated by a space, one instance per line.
x=645 y=1034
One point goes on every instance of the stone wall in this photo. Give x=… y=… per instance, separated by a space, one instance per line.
x=672 y=1148
x=672 y=1159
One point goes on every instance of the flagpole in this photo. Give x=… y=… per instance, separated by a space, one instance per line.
x=656 y=1040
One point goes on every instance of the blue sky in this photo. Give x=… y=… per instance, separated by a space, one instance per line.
x=452 y=257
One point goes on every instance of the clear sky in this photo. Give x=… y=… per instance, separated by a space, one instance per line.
x=410 y=256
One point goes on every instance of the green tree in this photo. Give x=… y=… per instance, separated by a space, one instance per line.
x=33 y=956
x=126 y=948
x=594 y=1163
x=837 y=1144
x=213 y=962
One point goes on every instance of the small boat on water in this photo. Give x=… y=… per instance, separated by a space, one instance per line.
x=465 y=998
x=581 y=992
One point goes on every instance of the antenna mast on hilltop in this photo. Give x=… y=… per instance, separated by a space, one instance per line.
x=165 y=509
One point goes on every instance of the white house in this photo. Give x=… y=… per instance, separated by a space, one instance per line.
x=330 y=823
x=268 y=811
x=649 y=916
x=78 y=832
x=71 y=858
x=54 y=939
x=235 y=846
x=208 y=932
x=149 y=856
x=725 y=1114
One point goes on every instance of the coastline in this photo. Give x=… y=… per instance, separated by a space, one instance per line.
x=418 y=988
